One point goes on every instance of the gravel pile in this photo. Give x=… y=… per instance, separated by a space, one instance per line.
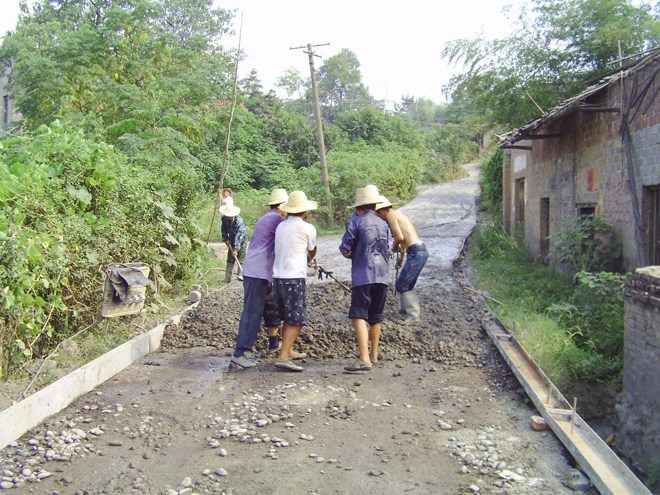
x=449 y=332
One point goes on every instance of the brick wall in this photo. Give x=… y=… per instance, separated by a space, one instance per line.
x=586 y=167
x=638 y=438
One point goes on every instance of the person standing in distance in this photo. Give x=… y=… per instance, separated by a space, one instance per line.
x=295 y=246
x=234 y=235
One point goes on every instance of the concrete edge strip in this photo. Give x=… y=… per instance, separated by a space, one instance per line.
x=608 y=473
x=21 y=417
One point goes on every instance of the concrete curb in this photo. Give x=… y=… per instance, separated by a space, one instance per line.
x=30 y=412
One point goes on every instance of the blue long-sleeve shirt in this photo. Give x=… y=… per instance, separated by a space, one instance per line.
x=366 y=239
x=234 y=232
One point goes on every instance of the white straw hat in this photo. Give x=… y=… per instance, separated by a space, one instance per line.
x=384 y=204
x=368 y=186
x=228 y=209
x=298 y=202
x=277 y=197
x=367 y=196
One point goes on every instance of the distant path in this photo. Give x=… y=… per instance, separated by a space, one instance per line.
x=443 y=214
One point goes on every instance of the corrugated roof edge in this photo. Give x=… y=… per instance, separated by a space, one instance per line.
x=569 y=105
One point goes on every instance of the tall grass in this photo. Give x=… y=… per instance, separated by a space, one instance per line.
x=551 y=316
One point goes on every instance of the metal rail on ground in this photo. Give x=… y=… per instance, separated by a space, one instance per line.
x=608 y=473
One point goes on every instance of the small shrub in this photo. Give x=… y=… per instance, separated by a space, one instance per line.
x=585 y=245
x=490 y=182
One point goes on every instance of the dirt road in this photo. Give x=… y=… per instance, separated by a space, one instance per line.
x=440 y=414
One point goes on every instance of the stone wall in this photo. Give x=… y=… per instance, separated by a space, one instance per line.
x=638 y=413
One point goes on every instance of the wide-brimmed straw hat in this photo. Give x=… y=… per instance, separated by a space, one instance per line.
x=367 y=196
x=298 y=202
x=384 y=204
x=277 y=197
x=372 y=187
x=228 y=209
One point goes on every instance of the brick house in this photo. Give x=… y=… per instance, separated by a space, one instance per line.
x=596 y=153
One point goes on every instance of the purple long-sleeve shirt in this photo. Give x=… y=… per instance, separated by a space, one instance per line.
x=366 y=239
x=260 y=255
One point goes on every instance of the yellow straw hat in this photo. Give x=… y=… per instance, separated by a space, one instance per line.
x=277 y=197
x=367 y=196
x=298 y=202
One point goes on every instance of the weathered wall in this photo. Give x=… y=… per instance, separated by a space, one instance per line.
x=639 y=428
x=586 y=167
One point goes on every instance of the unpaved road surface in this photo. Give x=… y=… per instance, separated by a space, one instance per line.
x=440 y=414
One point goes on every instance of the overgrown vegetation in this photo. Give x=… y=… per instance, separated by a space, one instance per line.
x=121 y=147
x=572 y=324
x=585 y=244
x=490 y=182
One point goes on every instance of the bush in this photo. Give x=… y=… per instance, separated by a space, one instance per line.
x=594 y=318
x=68 y=207
x=490 y=182
x=586 y=340
x=585 y=245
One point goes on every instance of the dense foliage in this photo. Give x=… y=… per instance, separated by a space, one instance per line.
x=490 y=182
x=69 y=205
x=556 y=50
x=125 y=109
x=573 y=330
x=585 y=245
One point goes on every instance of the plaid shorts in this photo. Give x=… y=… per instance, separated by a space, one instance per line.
x=291 y=297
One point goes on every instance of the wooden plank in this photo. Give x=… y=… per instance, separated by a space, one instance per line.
x=605 y=469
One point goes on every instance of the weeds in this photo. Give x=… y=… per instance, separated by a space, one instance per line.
x=572 y=326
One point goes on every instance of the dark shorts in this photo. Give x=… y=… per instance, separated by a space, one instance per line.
x=291 y=298
x=271 y=311
x=368 y=302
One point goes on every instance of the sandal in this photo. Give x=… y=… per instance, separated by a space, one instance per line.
x=298 y=355
x=287 y=365
x=358 y=366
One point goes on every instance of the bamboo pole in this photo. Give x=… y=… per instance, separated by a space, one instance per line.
x=225 y=157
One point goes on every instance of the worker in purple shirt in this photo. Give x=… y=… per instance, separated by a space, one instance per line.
x=258 y=300
x=365 y=242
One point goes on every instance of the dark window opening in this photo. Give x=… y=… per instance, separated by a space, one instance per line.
x=651 y=215
x=519 y=205
x=544 y=226
x=586 y=210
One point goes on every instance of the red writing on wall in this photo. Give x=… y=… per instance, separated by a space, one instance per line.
x=592 y=180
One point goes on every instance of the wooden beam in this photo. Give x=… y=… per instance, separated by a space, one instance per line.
x=514 y=147
x=595 y=108
x=544 y=136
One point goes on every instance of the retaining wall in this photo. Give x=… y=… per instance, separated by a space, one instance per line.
x=639 y=427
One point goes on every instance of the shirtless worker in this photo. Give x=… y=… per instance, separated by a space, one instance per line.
x=416 y=254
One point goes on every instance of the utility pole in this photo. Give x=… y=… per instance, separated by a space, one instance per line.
x=319 y=124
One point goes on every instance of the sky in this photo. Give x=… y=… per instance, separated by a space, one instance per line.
x=398 y=43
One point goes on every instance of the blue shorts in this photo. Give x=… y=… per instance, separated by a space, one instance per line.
x=291 y=297
x=368 y=302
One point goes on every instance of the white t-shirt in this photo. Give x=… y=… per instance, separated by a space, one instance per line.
x=293 y=238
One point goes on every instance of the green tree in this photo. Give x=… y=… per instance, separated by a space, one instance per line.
x=292 y=83
x=340 y=84
x=559 y=47
x=116 y=60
